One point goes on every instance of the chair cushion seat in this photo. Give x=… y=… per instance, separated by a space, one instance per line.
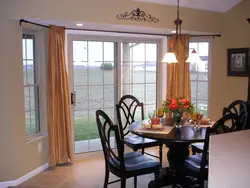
x=138 y=142
x=193 y=163
x=135 y=161
x=198 y=147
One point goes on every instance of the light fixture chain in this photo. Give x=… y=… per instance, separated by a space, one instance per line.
x=178 y=12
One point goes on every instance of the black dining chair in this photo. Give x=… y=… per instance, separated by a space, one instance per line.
x=126 y=111
x=237 y=107
x=123 y=165
x=196 y=166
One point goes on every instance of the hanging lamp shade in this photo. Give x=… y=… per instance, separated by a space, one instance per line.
x=193 y=57
x=169 y=57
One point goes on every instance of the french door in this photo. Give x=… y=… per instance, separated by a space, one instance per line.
x=100 y=72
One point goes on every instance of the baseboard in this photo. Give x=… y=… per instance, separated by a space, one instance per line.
x=24 y=178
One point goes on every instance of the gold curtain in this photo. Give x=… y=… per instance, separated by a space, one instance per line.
x=58 y=104
x=178 y=76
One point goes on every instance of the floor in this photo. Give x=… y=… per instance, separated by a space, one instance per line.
x=86 y=172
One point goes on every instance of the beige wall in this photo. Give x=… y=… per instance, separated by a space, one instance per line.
x=18 y=157
x=229 y=160
x=236 y=34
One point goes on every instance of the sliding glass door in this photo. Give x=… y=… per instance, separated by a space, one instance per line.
x=100 y=72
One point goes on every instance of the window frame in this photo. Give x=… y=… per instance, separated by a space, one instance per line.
x=209 y=41
x=35 y=85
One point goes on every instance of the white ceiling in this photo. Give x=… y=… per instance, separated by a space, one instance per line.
x=212 y=5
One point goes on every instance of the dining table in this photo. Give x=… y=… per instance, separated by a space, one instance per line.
x=177 y=140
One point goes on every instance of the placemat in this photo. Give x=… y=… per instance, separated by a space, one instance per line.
x=166 y=130
x=191 y=124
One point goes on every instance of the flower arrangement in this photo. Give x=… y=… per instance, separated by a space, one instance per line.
x=177 y=106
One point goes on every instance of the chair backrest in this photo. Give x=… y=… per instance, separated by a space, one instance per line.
x=108 y=130
x=238 y=107
x=126 y=111
x=221 y=125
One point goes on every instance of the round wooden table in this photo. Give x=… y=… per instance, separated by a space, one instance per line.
x=178 y=141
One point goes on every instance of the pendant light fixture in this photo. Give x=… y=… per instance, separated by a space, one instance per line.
x=170 y=57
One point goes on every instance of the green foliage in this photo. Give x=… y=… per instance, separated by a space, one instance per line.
x=107 y=66
x=178 y=105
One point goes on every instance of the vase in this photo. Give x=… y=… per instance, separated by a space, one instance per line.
x=177 y=119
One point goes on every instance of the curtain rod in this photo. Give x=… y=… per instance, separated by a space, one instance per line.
x=107 y=31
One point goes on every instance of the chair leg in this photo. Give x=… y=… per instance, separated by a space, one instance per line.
x=135 y=181
x=156 y=175
x=193 y=151
x=142 y=151
x=106 y=178
x=160 y=153
x=123 y=183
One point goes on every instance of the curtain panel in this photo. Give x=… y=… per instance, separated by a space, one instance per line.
x=178 y=74
x=58 y=101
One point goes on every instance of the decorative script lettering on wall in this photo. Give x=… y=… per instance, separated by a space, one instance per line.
x=137 y=15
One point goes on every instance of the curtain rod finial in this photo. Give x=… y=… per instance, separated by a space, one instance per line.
x=21 y=21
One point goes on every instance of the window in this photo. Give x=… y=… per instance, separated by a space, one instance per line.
x=199 y=77
x=139 y=73
x=31 y=85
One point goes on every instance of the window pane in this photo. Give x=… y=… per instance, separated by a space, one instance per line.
x=26 y=99
x=24 y=49
x=81 y=124
x=193 y=89
x=32 y=99
x=108 y=51
x=137 y=52
x=24 y=72
x=95 y=55
x=151 y=52
x=150 y=94
x=81 y=97
x=203 y=72
x=193 y=45
x=27 y=123
x=202 y=90
x=109 y=96
x=30 y=48
x=202 y=107
x=151 y=72
x=80 y=75
x=203 y=48
x=34 y=125
x=111 y=113
x=30 y=72
x=80 y=50
x=109 y=73
x=138 y=91
x=95 y=97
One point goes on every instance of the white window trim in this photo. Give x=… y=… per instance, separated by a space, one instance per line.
x=41 y=72
x=209 y=67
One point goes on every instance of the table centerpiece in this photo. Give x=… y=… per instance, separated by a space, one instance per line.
x=177 y=106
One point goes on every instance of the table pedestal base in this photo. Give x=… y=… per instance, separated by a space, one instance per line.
x=176 y=155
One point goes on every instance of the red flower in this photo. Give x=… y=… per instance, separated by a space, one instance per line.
x=174 y=101
x=173 y=106
x=184 y=102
